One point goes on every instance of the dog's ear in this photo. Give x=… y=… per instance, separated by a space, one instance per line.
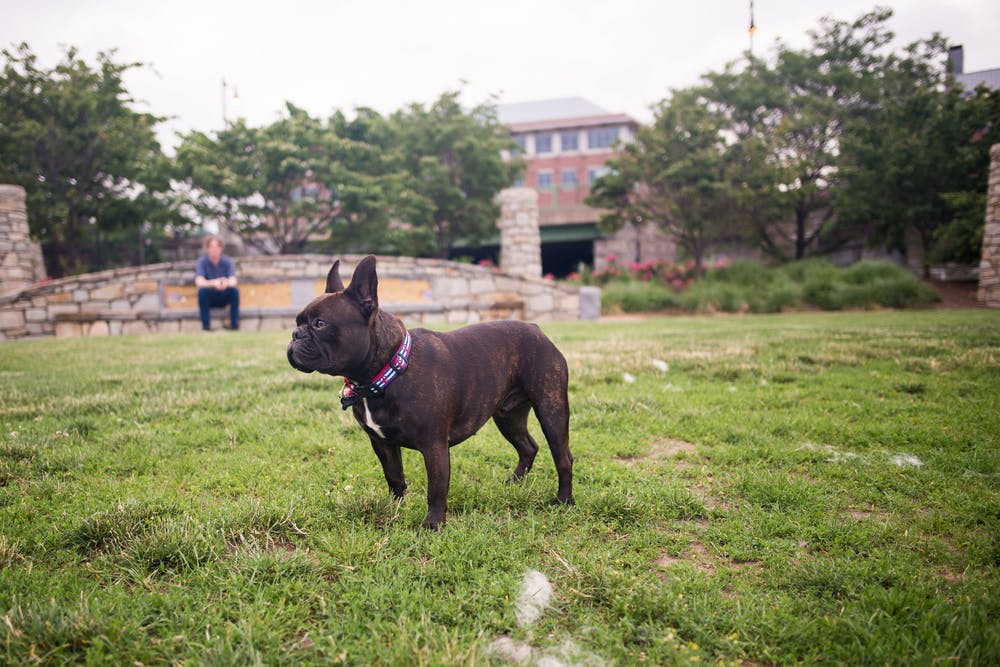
x=364 y=286
x=333 y=281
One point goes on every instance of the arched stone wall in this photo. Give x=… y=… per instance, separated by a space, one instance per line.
x=162 y=298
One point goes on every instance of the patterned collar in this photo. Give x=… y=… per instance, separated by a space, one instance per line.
x=352 y=390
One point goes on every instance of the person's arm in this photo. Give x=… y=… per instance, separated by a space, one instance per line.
x=199 y=276
x=230 y=280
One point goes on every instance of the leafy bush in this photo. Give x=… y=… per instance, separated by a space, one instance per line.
x=749 y=286
x=637 y=297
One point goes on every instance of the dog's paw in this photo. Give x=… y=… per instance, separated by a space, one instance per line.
x=555 y=502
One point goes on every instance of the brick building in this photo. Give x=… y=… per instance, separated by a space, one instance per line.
x=566 y=143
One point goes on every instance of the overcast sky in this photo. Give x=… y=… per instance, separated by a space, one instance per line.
x=623 y=55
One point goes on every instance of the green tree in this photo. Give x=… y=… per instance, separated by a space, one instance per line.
x=90 y=164
x=918 y=168
x=789 y=117
x=455 y=170
x=677 y=174
x=297 y=179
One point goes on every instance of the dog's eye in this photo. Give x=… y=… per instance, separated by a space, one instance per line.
x=319 y=324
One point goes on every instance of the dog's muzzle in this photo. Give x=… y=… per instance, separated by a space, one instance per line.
x=293 y=361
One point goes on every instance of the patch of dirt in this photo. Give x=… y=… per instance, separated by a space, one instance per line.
x=956 y=294
x=661 y=449
x=698 y=555
x=953 y=578
x=666 y=560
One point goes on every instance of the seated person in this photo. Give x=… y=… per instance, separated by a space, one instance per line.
x=215 y=276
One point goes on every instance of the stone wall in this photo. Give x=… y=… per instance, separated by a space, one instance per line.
x=158 y=298
x=635 y=243
x=20 y=258
x=989 y=265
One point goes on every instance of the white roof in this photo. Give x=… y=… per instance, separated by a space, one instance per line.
x=555 y=109
x=987 y=77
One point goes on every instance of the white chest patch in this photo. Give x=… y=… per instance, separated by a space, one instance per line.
x=369 y=422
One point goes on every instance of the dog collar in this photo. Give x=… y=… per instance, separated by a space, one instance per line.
x=352 y=390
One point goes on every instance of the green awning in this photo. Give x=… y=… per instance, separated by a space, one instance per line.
x=583 y=231
x=586 y=231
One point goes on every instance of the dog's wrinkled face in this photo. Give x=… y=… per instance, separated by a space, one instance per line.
x=331 y=333
x=330 y=336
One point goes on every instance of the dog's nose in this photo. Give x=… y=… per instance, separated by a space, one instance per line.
x=297 y=333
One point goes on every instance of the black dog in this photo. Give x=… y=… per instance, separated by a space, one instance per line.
x=428 y=390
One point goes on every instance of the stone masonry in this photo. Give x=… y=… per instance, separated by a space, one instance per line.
x=520 y=240
x=989 y=266
x=20 y=258
x=139 y=300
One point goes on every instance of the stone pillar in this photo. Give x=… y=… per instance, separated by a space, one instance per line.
x=20 y=258
x=520 y=240
x=989 y=265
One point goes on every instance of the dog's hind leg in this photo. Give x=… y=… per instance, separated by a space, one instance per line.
x=554 y=420
x=513 y=425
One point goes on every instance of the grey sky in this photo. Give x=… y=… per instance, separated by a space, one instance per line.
x=623 y=55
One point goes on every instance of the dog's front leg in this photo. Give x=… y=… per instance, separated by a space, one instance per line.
x=437 y=461
x=391 y=459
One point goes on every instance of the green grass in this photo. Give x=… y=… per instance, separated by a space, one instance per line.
x=811 y=488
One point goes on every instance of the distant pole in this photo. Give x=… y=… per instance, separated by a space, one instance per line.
x=753 y=27
x=225 y=99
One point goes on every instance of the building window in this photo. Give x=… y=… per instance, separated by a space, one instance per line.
x=543 y=143
x=602 y=137
x=567 y=179
x=518 y=182
x=544 y=180
x=595 y=173
x=570 y=141
x=519 y=140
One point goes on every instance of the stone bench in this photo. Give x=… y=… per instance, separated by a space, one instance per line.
x=256 y=318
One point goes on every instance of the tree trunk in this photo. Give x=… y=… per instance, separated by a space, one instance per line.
x=800 y=232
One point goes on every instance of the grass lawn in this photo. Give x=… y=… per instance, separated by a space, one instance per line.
x=809 y=488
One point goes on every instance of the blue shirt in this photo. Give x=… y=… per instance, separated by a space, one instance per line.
x=224 y=269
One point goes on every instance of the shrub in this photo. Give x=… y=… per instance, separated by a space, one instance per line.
x=747 y=285
x=781 y=295
x=712 y=295
x=637 y=297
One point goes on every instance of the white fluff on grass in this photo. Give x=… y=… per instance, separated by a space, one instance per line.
x=661 y=365
x=510 y=650
x=907 y=460
x=532 y=600
x=628 y=378
x=536 y=591
x=569 y=655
